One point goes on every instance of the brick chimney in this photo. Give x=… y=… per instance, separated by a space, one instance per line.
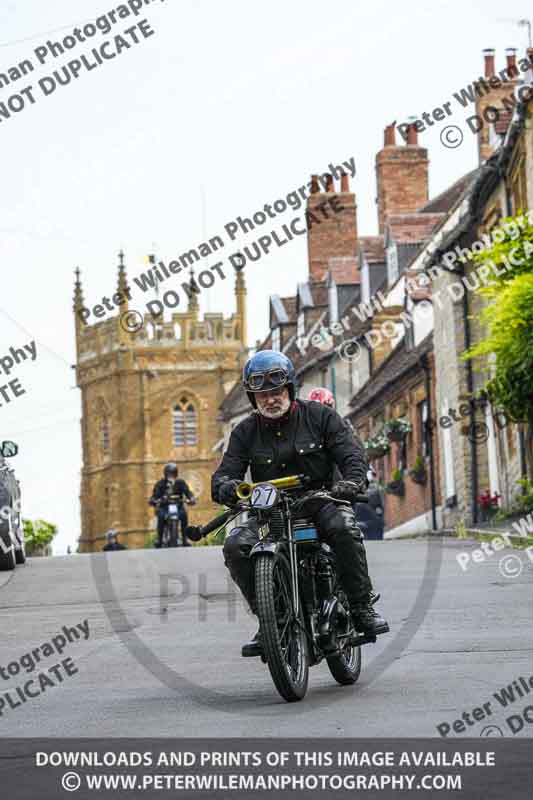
x=330 y=233
x=494 y=92
x=401 y=175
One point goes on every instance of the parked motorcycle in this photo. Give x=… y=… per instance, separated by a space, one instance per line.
x=12 y=546
x=303 y=612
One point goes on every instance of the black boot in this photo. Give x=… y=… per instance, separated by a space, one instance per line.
x=253 y=648
x=368 y=621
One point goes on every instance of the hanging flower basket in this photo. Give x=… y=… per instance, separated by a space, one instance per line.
x=419 y=476
x=376 y=452
x=396 y=487
x=397 y=429
x=377 y=445
x=418 y=472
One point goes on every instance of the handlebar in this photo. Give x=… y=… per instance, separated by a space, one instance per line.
x=174 y=498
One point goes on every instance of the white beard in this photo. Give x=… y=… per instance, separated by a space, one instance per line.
x=278 y=411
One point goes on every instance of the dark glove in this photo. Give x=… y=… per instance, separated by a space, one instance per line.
x=227 y=492
x=347 y=490
x=193 y=532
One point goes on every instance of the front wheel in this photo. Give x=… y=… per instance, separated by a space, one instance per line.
x=282 y=634
x=172 y=532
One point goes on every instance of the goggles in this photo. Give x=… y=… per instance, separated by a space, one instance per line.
x=263 y=381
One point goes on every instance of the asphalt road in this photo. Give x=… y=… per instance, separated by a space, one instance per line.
x=165 y=629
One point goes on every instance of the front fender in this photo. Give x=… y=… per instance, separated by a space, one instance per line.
x=264 y=547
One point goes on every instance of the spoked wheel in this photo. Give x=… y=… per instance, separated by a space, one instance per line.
x=282 y=634
x=172 y=533
x=345 y=666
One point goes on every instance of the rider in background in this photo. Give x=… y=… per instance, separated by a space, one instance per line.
x=112 y=542
x=369 y=515
x=170 y=484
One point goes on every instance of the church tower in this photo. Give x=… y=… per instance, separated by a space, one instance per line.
x=150 y=396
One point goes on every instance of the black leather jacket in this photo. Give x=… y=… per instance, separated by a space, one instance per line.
x=163 y=487
x=311 y=439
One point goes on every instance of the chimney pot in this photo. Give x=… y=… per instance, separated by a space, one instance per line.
x=330 y=186
x=345 y=182
x=488 y=52
x=315 y=186
x=511 y=60
x=390 y=135
x=412 y=134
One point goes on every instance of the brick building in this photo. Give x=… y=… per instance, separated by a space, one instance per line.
x=490 y=456
x=389 y=347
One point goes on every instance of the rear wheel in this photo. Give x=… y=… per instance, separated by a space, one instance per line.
x=345 y=666
x=282 y=634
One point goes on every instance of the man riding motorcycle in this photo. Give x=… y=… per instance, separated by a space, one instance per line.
x=282 y=437
x=168 y=485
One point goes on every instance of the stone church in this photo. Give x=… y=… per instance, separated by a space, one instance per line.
x=148 y=397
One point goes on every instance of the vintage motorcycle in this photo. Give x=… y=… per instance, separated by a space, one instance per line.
x=303 y=613
x=172 y=518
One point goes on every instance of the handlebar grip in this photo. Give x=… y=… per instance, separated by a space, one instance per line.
x=361 y=498
x=217 y=522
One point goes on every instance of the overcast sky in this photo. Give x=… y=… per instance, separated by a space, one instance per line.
x=227 y=107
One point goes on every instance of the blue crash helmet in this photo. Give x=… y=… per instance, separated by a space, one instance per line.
x=267 y=370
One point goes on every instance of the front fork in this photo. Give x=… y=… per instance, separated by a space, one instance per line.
x=294 y=569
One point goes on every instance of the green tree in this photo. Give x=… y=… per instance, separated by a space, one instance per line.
x=37 y=534
x=513 y=255
x=507 y=349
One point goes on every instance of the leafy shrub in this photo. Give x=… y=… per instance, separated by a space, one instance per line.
x=38 y=534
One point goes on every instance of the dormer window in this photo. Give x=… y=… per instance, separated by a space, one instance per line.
x=365 y=283
x=392 y=264
x=276 y=338
x=300 y=327
x=333 y=301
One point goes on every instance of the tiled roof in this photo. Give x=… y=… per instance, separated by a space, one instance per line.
x=447 y=199
x=319 y=292
x=398 y=363
x=374 y=248
x=236 y=402
x=290 y=307
x=412 y=228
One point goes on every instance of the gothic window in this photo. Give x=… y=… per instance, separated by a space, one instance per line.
x=105 y=435
x=185 y=423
